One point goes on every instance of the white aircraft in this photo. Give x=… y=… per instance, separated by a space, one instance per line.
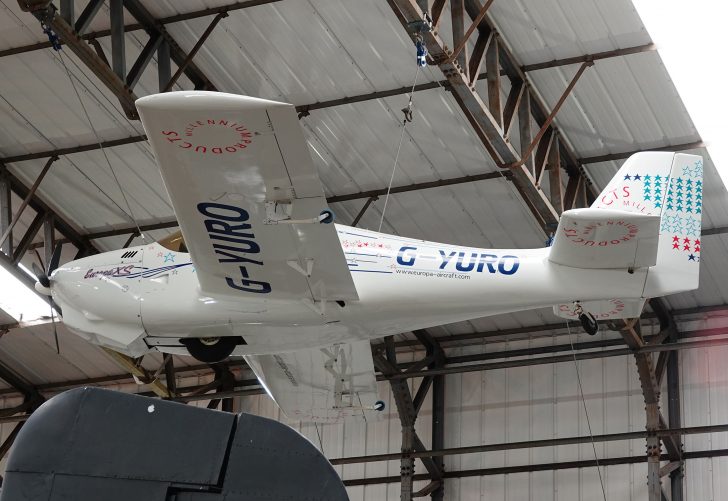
x=259 y=271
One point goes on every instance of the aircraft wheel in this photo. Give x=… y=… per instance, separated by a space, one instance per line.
x=210 y=350
x=589 y=323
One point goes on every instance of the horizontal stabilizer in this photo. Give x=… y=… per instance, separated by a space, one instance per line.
x=323 y=385
x=606 y=239
x=604 y=309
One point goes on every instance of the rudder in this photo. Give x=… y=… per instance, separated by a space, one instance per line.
x=679 y=249
x=669 y=185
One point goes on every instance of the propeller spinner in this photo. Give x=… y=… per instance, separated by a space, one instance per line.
x=43 y=285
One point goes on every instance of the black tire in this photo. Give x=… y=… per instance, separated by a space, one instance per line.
x=589 y=323
x=211 y=353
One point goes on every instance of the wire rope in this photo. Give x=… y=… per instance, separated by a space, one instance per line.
x=407 y=118
x=588 y=422
x=101 y=147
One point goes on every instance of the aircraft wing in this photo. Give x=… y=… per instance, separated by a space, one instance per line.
x=323 y=385
x=606 y=239
x=238 y=172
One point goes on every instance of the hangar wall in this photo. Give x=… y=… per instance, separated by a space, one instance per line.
x=528 y=403
x=540 y=402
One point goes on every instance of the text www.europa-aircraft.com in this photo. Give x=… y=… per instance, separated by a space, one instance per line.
x=458 y=276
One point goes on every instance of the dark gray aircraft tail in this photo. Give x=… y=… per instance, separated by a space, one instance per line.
x=92 y=444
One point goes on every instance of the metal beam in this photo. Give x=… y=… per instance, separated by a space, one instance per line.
x=94 y=5
x=152 y=25
x=118 y=47
x=554 y=63
x=164 y=65
x=198 y=45
x=8 y=443
x=506 y=470
x=6 y=210
x=27 y=239
x=535 y=444
x=144 y=58
x=675 y=419
x=626 y=154
x=26 y=201
x=38 y=205
x=557 y=359
x=363 y=210
x=87 y=15
x=113 y=80
x=486 y=120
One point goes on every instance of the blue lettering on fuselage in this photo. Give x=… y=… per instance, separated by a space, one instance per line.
x=234 y=242
x=465 y=262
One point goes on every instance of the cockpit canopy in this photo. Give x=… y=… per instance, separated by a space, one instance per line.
x=174 y=242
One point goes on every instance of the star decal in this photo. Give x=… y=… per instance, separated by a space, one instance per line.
x=692 y=226
x=169 y=258
x=627 y=177
x=637 y=177
x=691 y=257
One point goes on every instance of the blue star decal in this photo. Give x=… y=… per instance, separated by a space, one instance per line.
x=647 y=197
x=169 y=258
x=691 y=257
x=637 y=177
x=627 y=178
x=647 y=178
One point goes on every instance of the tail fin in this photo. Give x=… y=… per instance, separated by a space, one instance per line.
x=669 y=185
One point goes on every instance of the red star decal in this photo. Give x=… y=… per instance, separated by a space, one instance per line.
x=676 y=246
x=366 y=244
x=697 y=241
x=686 y=248
x=675 y=238
x=697 y=248
x=686 y=240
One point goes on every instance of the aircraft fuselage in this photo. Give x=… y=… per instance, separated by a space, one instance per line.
x=136 y=299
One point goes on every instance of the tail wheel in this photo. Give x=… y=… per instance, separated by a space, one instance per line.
x=211 y=350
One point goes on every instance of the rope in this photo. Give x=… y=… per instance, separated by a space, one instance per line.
x=407 y=118
x=101 y=147
x=583 y=402
x=321 y=444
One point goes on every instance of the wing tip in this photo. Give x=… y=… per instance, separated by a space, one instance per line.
x=203 y=100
